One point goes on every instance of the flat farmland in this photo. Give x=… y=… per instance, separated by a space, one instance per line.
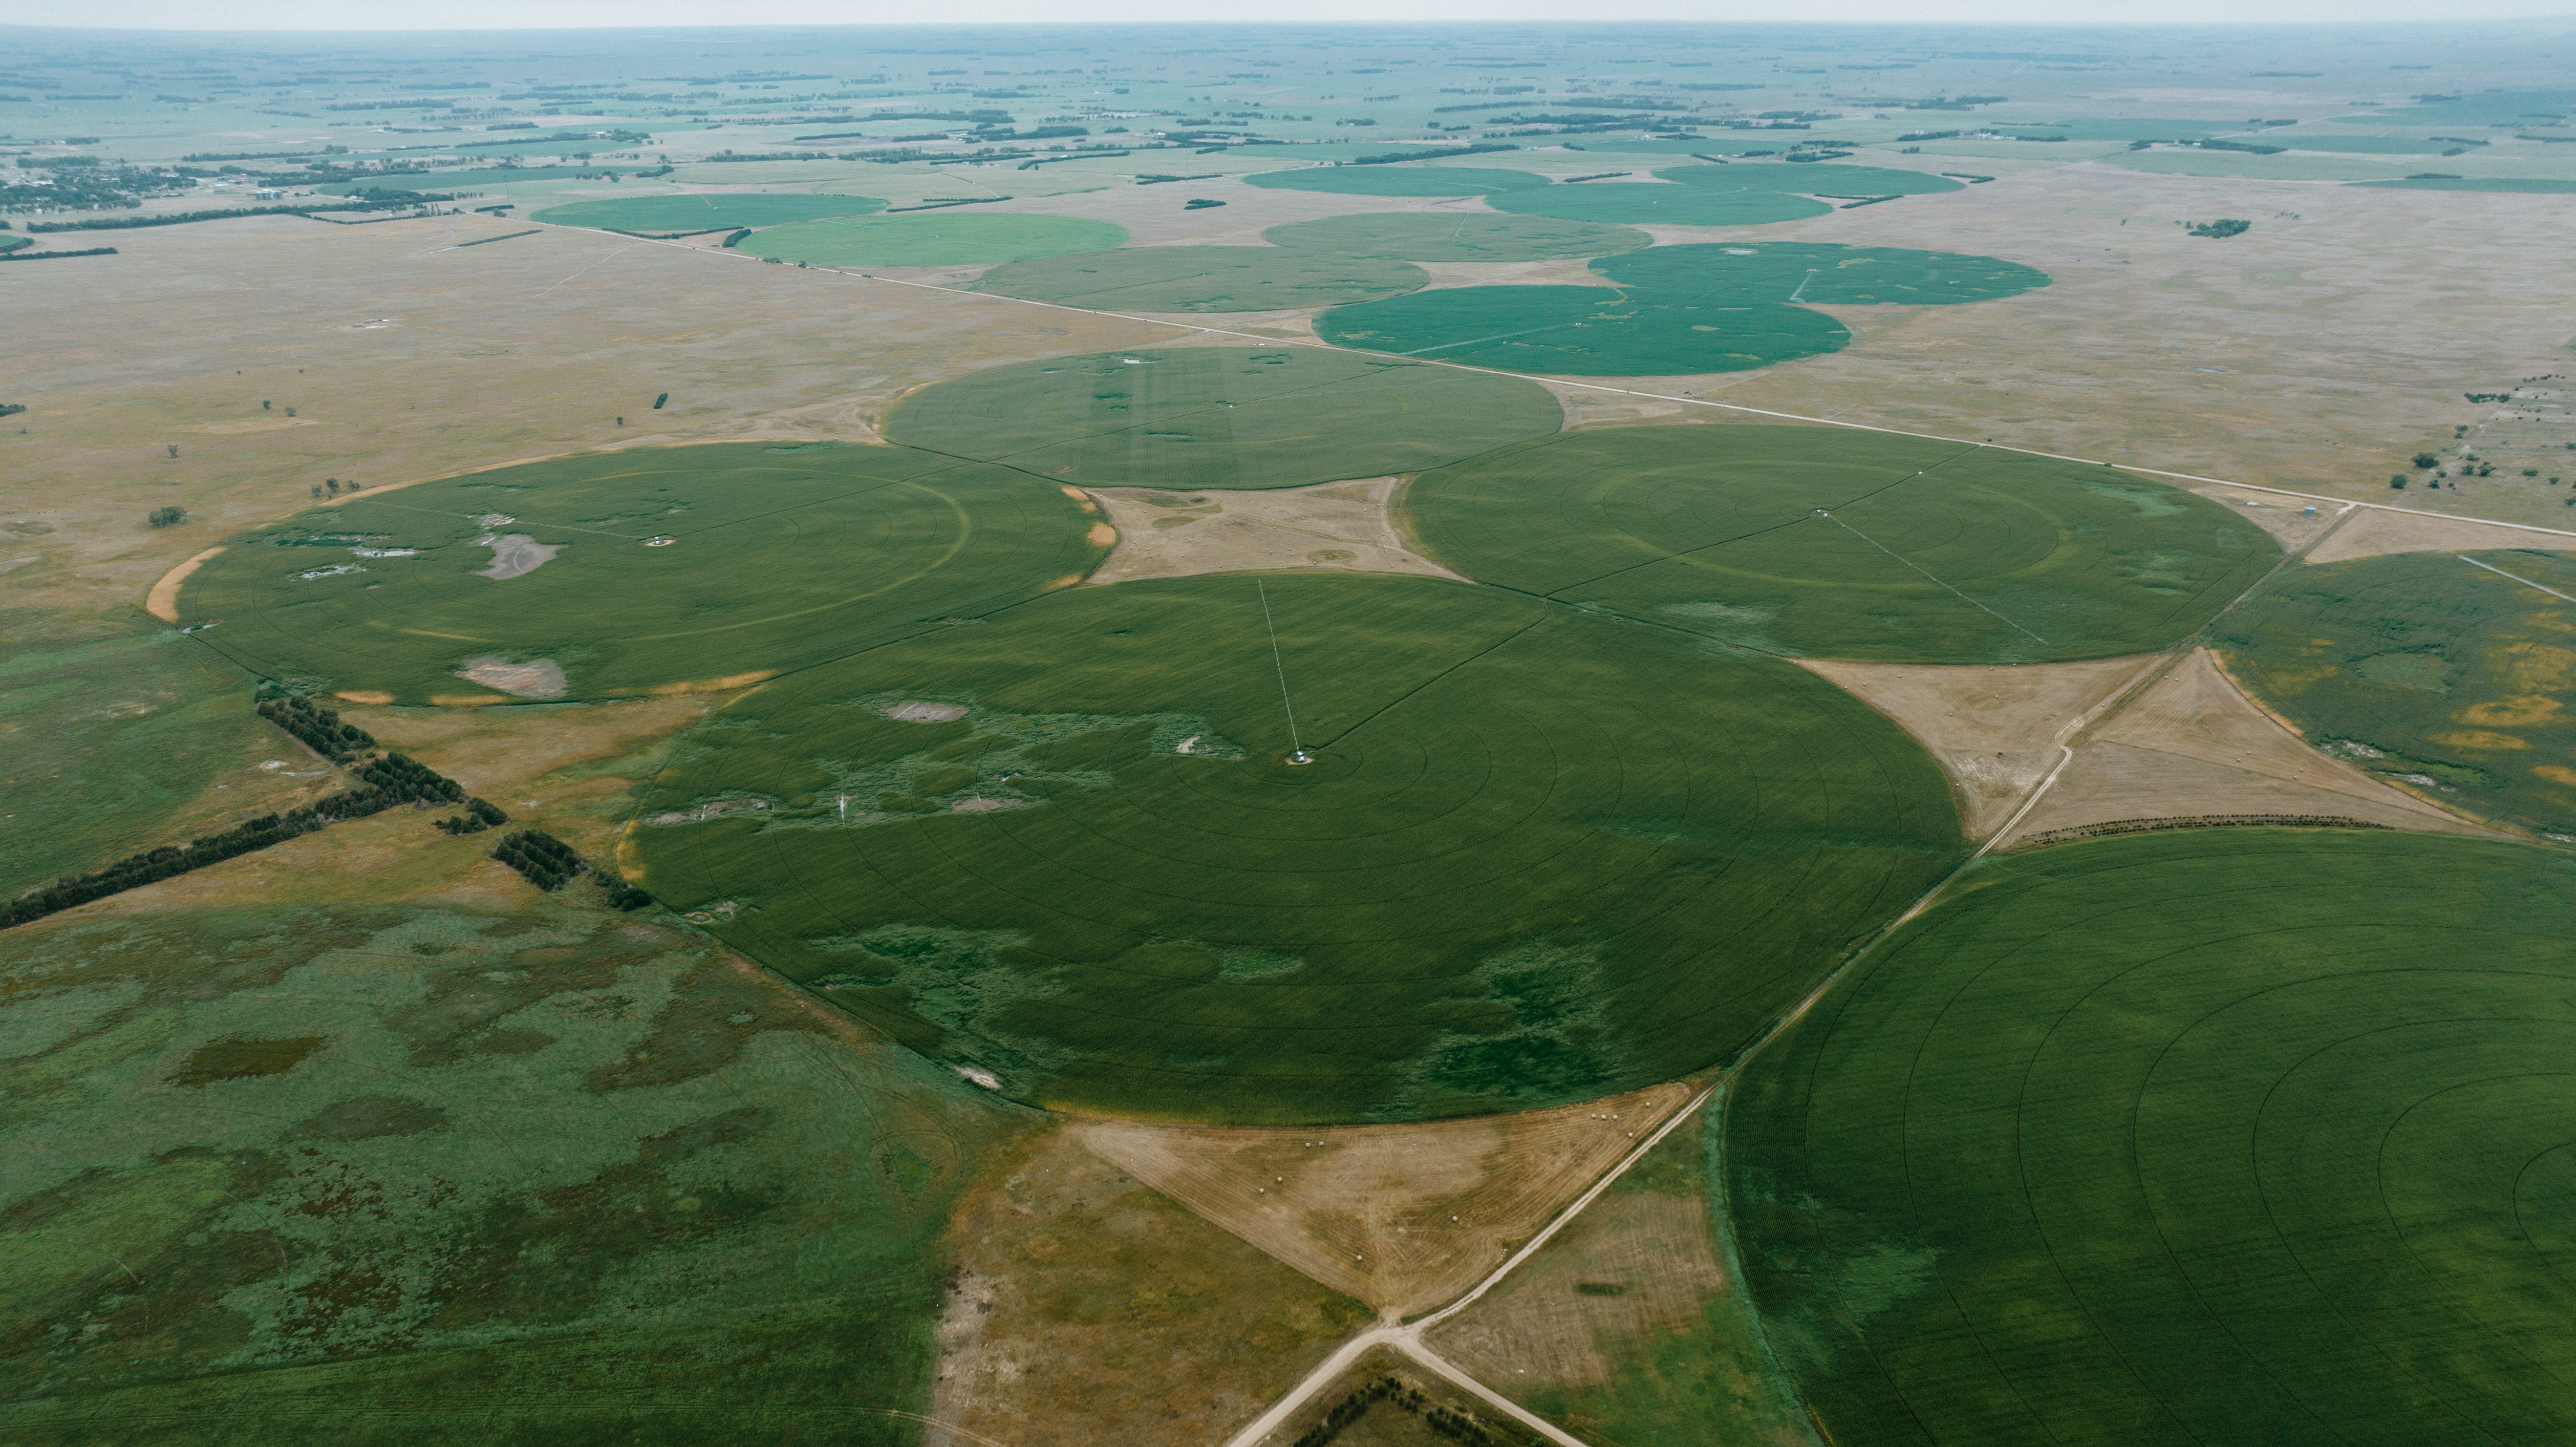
x=623 y=573
x=1064 y=849
x=2245 y=1136
x=1222 y=417
x=2449 y=674
x=1846 y=545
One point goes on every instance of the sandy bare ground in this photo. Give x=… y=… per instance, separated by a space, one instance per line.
x=2380 y=531
x=2191 y=744
x=1994 y=728
x=537 y=678
x=515 y=555
x=1336 y=527
x=1404 y=1217
x=163 y=601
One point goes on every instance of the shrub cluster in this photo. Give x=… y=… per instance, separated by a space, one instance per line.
x=478 y=816
x=166 y=517
x=317 y=728
x=1449 y=1422
x=622 y=895
x=547 y=861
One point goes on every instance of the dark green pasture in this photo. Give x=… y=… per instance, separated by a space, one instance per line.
x=1228 y=417
x=1539 y=856
x=1202 y=279
x=684 y=212
x=2231 y=1137
x=1455 y=236
x=1398 y=180
x=118 y=733
x=1677 y=310
x=2428 y=669
x=933 y=240
x=391 y=1176
x=1923 y=551
x=1585 y=331
x=779 y=556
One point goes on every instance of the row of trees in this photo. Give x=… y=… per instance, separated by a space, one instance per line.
x=382 y=784
x=318 y=728
x=548 y=862
x=479 y=815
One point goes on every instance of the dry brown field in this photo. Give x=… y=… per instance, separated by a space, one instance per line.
x=1404 y=1217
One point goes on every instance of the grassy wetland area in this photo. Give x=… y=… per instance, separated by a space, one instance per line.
x=1276 y=736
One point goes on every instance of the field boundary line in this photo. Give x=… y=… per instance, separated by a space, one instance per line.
x=1685 y=399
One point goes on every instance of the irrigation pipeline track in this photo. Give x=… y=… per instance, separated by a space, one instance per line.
x=1406 y=1337
x=1543 y=380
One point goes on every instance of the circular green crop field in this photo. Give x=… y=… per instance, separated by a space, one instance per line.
x=1585 y=331
x=1640 y=203
x=1746 y=194
x=686 y=212
x=1397 y=180
x=1833 y=543
x=777 y=557
x=1812 y=178
x=1455 y=236
x=1675 y=310
x=933 y=240
x=1202 y=279
x=2244 y=1136
x=2451 y=672
x=1538 y=856
x=1805 y=271
x=1199 y=417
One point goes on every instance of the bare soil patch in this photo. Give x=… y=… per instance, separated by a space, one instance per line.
x=1994 y=728
x=1335 y=527
x=515 y=555
x=2191 y=743
x=536 y=678
x=163 y=601
x=1404 y=1217
x=916 y=711
x=2379 y=531
x=1087 y=1308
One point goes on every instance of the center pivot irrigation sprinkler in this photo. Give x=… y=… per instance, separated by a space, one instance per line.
x=1300 y=756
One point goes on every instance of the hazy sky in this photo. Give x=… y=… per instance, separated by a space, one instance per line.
x=540 y=14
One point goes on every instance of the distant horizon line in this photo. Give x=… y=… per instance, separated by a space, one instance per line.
x=2448 y=23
